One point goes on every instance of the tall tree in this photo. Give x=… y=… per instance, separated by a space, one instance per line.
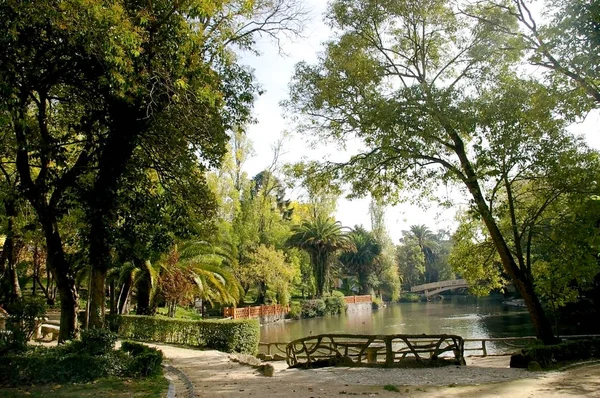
x=362 y=259
x=320 y=238
x=415 y=82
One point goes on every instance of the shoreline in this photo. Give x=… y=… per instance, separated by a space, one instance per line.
x=214 y=374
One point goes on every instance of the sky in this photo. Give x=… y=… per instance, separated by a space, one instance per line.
x=273 y=72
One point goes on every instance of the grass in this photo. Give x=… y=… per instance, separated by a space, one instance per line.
x=110 y=387
x=391 y=387
x=182 y=313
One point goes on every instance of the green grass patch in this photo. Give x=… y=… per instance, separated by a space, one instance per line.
x=181 y=313
x=391 y=387
x=153 y=387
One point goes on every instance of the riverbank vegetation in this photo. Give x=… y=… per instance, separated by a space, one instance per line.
x=123 y=183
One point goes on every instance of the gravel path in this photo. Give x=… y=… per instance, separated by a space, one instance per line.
x=213 y=374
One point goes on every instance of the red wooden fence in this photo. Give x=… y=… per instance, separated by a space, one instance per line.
x=270 y=310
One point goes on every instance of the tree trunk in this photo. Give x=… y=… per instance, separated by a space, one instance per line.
x=124 y=296
x=521 y=279
x=112 y=298
x=65 y=281
x=97 y=296
x=144 y=289
x=124 y=129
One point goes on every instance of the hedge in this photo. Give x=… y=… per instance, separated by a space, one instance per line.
x=569 y=350
x=240 y=335
x=79 y=361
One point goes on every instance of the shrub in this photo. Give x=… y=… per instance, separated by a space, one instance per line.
x=409 y=298
x=569 y=350
x=224 y=335
x=98 y=341
x=335 y=304
x=295 y=311
x=376 y=303
x=24 y=317
x=313 y=308
x=145 y=361
x=74 y=363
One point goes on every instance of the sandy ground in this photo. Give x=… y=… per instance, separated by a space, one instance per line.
x=213 y=374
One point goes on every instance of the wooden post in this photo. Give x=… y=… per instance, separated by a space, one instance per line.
x=389 y=352
x=483 y=346
x=354 y=299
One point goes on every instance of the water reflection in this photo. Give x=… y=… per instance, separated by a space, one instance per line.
x=467 y=316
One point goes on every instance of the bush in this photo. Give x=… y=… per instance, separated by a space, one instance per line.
x=335 y=304
x=145 y=361
x=569 y=350
x=295 y=311
x=409 y=298
x=313 y=308
x=24 y=317
x=376 y=303
x=73 y=362
x=98 y=341
x=225 y=335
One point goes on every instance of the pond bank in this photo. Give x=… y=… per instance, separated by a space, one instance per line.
x=214 y=375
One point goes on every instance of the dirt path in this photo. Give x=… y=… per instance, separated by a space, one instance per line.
x=214 y=375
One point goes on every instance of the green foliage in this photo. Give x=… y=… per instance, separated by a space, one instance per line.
x=313 y=308
x=145 y=361
x=224 y=335
x=295 y=311
x=320 y=238
x=410 y=298
x=24 y=317
x=391 y=387
x=75 y=362
x=569 y=350
x=377 y=303
x=335 y=304
x=98 y=341
x=362 y=259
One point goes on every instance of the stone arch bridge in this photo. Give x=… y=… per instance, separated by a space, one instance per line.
x=429 y=289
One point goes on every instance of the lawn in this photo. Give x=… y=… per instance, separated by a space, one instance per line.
x=110 y=387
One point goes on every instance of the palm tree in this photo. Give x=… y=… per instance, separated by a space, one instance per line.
x=203 y=264
x=362 y=261
x=209 y=267
x=429 y=244
x=320 y=238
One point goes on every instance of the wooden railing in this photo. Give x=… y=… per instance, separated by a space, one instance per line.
x=358 y=299
x=512 y=343
x=255 y=312
x=365 y=350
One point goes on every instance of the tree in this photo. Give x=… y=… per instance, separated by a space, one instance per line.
x=320 y=238
x=565 y=42
x=361 y=260
x=388 y=276
x=86 y=85
x=413 y=81
x=429 y=245
x=411 y=262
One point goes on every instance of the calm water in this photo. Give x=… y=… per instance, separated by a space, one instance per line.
x=466 y=316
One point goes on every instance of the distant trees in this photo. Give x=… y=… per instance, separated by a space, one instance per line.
x=321 y=238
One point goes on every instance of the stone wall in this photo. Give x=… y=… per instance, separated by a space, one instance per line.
x=358 y=307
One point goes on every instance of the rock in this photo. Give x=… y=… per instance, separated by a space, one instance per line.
x=267 y=369
x=534 y=366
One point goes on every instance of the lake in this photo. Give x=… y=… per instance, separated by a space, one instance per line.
x=466 y=316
